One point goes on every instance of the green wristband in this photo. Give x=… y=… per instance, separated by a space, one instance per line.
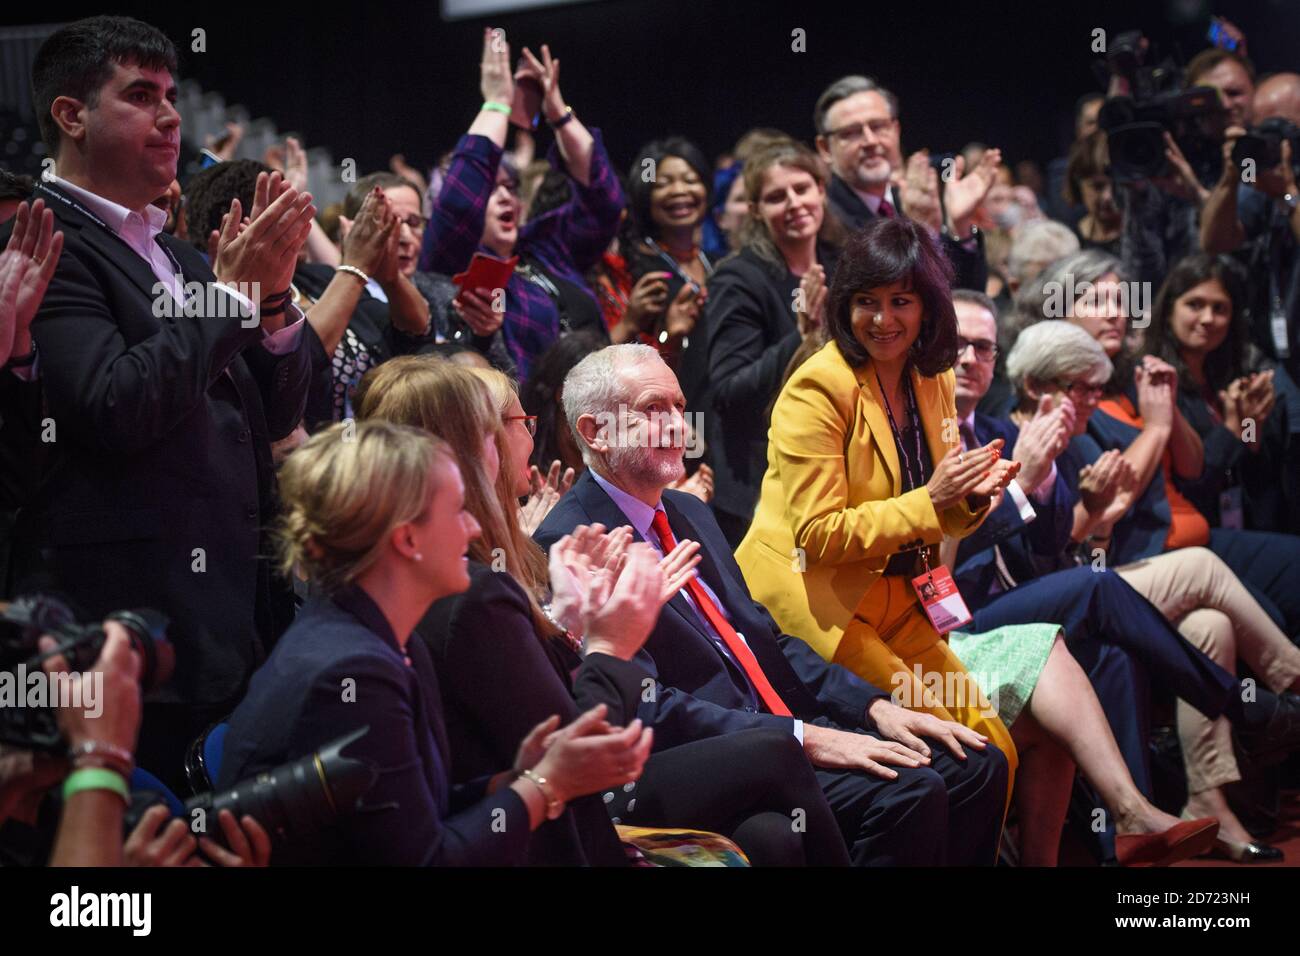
x=495 y=107
x=95 y=778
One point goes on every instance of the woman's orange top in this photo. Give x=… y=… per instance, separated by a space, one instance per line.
x=1187 y=526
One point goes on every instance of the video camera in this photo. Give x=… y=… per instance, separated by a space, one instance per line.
x=1135 y=125
x=25 y=619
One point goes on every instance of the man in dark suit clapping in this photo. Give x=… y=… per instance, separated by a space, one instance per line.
x=163 y=387
x=906 y=788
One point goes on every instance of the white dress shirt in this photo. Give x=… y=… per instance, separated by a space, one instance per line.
x=141 y=232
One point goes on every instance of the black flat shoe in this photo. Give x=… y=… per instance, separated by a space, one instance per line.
x=1246 y=852
x=1279 y=736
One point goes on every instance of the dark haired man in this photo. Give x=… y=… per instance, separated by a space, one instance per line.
x=858 y=136
x=163 y=386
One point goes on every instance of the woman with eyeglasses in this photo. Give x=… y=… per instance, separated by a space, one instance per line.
x=530 y=637
x=1139 y=417
x=1192 y=588
x=478 y=210
x=370 y=307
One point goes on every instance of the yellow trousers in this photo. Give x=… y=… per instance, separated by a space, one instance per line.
x=892 y=644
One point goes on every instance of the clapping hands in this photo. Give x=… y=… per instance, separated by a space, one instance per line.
x=26 y=267
x=1249 y=398
x=1042 y=439
x=543 y=494
x=610 y=589
x=264 y=250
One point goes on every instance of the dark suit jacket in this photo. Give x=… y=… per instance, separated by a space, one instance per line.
x=1025 y=550
x=500 y=679
x=972 y=271
x=412 y=815
x=162 y=448
x=752 y=337
x=699 y=691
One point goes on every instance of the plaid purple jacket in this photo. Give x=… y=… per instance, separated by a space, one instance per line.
x=565 y=242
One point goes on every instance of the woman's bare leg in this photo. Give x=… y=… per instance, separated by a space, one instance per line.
x=1042 y=791
x=1065 y=706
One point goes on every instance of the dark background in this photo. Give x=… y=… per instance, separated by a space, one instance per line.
x=369 y=79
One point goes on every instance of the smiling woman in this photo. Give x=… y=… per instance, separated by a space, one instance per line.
x=764 y=302
x=864 y=478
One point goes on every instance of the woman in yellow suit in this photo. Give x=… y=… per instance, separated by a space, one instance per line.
x=853 y=505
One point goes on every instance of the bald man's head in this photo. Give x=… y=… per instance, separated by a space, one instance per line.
x=1279 y=95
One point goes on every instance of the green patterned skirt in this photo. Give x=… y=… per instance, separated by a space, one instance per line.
x=1006 y=662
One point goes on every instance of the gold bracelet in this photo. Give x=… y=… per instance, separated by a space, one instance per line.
x=553 y=807
x=353 y=270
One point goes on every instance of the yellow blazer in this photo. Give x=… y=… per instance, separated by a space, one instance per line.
x=831 y=511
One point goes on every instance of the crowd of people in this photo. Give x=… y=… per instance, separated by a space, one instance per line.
x=817 y=505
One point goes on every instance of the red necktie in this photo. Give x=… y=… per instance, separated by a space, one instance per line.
x=887 y=209
x=739 y=649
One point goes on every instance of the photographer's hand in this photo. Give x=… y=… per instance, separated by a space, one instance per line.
x=25 y=775
x=249 y=843
x=91 y=825
x=111 y=686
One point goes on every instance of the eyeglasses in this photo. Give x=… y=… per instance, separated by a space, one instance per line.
x=1082 y=391
x=530 y=422
x=985 y=350
x=855 y=132
x=416 y=223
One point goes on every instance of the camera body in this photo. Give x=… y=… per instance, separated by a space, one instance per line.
x=1263 y=145
x=25 y=619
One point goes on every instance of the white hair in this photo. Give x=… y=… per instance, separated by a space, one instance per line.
x=596 y=386
x=1053 y=350
x=1036 y=244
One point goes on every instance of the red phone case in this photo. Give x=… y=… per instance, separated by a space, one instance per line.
x=486 y=272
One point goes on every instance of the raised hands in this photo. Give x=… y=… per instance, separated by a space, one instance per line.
x=295 y=164
x=1106 y=487
x=974 y=475
x=964 y=192
x=1042 y=439
x=266 y=252
x=699 y=484
x=546 y=73
x=371 y=239
x=26 y=267
x=611 y=590
x=496 y=79
x=813 y=291
x=544 y=493
x=1248 y=399
x=920 y=192
x=1157 y=390
x=684 y=311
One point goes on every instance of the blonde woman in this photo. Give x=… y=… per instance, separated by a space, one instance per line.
x=507 y=649
x=377 y=518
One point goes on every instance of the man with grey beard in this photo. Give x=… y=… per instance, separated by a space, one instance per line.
x=722 y=665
